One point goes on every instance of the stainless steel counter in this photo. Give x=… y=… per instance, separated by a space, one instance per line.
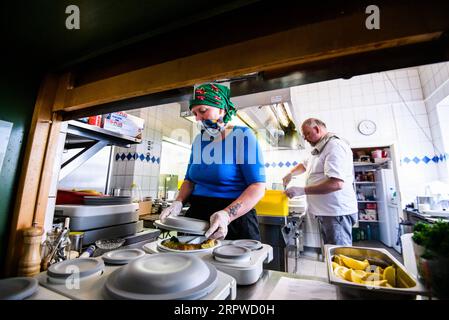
x=415 y=216
x=263 y=288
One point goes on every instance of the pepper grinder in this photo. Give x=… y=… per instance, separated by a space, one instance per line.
x=30 y=263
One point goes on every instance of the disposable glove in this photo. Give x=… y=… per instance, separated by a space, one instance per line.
x=218 y=225
x=295 y=192
x=286 y=180
x=173 y=210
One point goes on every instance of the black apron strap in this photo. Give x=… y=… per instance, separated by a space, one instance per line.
x=245 y=227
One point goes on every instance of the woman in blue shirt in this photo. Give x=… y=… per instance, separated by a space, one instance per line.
x=225 y=177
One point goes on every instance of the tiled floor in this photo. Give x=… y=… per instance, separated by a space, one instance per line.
x=310 y=264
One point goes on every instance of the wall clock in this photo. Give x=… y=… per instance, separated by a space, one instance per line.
x=367 y=127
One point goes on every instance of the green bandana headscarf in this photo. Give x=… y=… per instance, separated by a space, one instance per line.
x=214 y=95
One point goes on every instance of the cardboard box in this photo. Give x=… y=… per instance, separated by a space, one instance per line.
x=145 y=207
x=124 y=123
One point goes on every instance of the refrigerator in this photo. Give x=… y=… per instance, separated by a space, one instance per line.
x=388 y=208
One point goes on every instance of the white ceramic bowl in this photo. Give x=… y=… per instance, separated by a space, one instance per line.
x=163 y=276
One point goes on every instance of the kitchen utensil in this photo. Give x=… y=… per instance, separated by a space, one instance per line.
x=46 y=261
x=89 y=252
x=192 y=240
x=109 y=244
x=162 y=277
x=76 y=239
x=122 y=256
x=17 y=288
x=30 y=262
x=274 y=203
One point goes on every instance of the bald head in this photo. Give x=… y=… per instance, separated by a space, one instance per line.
x=313 y=130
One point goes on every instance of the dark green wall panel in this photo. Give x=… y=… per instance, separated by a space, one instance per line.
x=18 y=92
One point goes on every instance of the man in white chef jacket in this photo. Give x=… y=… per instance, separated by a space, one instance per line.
x=329 y=184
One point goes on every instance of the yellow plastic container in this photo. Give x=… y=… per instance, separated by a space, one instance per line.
x=274 y=203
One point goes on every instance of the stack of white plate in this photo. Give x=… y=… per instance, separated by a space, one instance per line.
x=122 y=256
x=17 y=288
x=248 y=243
x=232 y=254
x=183 y=224
x=164 y=276
x=81 y=268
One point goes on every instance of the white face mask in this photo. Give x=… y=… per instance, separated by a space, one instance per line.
x=213 y=129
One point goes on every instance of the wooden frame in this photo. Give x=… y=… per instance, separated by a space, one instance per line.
x=35 y=180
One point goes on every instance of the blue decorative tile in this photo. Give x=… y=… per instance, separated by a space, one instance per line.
x=117 y=156
x=141 y=157
x=280 y=164
x=123 y=157
x=267 y=165
x=435 y=159
x=153 y=159
x=288 y=164
x=129 y=156
x=425 y=159
x=407 y=160
x=416 y=160
x=441 y=157
x=273 y=164
x=158 y=160
x=148 y=158
x=295 y=163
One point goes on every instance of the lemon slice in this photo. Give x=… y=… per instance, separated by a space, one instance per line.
x=356 y=276
x=353 y=263
x=390 y=275
x=376 y=283
x=340 y=272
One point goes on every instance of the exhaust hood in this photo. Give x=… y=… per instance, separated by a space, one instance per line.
x=268 y=114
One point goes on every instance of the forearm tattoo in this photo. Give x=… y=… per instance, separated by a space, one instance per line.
x=233 y=209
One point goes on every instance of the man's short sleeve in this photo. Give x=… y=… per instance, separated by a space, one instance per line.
x=337 y=162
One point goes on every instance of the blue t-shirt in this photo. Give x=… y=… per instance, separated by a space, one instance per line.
x=225 y=168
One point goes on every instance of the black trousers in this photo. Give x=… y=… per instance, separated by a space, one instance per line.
x=244 y=227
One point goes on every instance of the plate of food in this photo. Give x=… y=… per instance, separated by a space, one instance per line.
x=187 y=244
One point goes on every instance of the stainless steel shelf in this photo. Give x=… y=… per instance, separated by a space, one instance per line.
x=81 y=134
x=91 y=139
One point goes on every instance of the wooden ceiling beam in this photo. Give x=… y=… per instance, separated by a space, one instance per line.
x=321 y=41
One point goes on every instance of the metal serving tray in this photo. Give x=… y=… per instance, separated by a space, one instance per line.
x=408 y=285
